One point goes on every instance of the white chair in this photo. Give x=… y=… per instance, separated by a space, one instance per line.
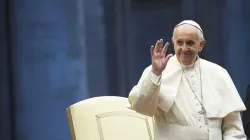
x=107 y=118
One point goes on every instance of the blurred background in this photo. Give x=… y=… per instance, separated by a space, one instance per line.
x=54 y=53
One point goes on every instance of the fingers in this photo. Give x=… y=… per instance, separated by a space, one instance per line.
x=152 y=50
x=168 y=57
x=164 y=50
x=158 y=45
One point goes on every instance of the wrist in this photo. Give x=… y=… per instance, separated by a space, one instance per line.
x=157 y=73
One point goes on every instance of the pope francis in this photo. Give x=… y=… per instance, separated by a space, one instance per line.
x=188 y=97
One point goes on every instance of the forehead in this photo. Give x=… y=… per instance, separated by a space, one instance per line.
x=186 y=32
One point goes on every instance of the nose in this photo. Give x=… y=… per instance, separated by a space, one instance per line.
x=184 y=48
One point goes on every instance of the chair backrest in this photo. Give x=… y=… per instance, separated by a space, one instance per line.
x=107 y=118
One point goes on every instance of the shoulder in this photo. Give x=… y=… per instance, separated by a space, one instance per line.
x=217 y=72
x=213 y=67
x=146 y=71
x=148 y=68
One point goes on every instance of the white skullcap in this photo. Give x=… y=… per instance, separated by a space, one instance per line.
x=190 y=22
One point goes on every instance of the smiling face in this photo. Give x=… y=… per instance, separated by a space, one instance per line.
x=187 y=43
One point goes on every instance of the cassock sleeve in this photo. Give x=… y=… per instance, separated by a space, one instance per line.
x=143 y=98
x=232 y=127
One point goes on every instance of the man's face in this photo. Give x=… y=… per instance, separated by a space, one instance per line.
x=187 y=44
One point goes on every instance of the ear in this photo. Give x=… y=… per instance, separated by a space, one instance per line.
x=172 y=40
x=202 y=44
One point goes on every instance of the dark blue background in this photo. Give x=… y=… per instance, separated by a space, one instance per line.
x=55 y=53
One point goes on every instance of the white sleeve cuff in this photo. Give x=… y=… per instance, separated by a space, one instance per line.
x=154 y=78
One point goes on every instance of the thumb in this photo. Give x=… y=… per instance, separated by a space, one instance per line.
x=168 y=57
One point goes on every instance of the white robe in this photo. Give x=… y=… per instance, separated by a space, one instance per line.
x=175 y=107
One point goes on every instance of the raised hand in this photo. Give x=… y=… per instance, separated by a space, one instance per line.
x=158 y=57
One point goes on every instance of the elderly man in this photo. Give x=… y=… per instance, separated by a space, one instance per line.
x=188 y=97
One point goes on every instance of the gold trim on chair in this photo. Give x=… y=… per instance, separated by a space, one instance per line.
x=71 y=126
x=120 y=113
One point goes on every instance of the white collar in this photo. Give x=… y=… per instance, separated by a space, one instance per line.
x=193 y=65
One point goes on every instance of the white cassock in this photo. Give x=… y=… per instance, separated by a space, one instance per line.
x=175 y=101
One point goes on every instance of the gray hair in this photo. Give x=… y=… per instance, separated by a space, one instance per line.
x=199 y=33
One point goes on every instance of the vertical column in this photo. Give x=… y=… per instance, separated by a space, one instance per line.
x=117 y=42
x=214 y=30
x=50 y=66
x=5 y=93
x=188 y=9
x=95 y=48
x=122 y=9
x=246 y=38
x=236 y=54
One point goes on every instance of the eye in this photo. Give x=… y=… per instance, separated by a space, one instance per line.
x=179 y=42
x=190 y=43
